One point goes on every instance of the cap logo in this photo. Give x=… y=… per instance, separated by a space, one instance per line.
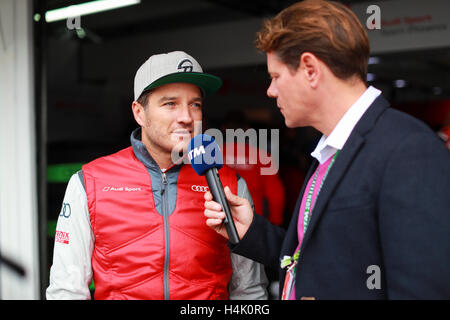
x=185 y=65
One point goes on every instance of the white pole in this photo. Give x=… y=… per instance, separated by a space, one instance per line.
x=18 y=194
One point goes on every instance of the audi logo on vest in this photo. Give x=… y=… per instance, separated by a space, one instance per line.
x=127 y=189
x=199 y=188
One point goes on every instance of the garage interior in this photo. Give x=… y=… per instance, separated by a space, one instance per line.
x=84 y=85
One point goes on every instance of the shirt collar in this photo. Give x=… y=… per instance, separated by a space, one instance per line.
x=327 y=146
x=141 y=152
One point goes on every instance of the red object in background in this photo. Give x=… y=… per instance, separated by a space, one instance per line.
x=434 y=113
x=438 y=113
x=262 y=188
x=444 y=134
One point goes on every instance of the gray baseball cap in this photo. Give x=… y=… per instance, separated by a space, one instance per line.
x=173 y=67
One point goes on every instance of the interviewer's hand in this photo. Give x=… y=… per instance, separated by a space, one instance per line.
x=240 y=209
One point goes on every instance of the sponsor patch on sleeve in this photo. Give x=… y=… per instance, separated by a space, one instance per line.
x=62 y=237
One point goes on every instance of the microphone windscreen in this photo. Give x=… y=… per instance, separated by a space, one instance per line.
x=204 y=153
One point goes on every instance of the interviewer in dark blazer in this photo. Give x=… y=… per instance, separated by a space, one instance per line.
x=380 y=226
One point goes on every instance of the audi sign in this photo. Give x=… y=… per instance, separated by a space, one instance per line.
x=199 y=188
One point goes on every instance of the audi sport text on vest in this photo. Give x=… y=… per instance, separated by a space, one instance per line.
x=142 y=254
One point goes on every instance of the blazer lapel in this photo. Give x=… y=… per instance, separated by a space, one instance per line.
x=290 y=241
x=342 y=163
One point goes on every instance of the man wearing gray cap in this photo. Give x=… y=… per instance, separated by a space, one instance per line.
x=136 y=218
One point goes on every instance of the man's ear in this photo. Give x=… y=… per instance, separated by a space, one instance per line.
x=138 y=113
x=311 y=68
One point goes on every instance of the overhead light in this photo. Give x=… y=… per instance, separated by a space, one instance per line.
x=370 y=77
x=86 y=8
x=400 y=83
x=374 y=60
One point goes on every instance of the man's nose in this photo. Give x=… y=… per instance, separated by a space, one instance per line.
x=184 y=114
x=272 y=92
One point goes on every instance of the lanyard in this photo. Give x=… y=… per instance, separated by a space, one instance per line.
x=291 y=262
x=308 y=209
x=287 y=261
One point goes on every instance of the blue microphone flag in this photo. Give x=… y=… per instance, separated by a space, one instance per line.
x=204 y=153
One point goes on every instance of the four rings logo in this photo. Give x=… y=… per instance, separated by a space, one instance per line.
x=199 y=188
x=185 y=65
x=65 y=210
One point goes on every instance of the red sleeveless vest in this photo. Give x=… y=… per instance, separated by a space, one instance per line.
x=139 y=253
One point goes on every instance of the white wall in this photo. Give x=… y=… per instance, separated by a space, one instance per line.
x=18 y=200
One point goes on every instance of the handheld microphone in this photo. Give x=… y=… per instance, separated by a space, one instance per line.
x=206 y=158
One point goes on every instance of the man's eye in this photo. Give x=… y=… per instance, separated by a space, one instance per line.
x=197 y=105
x=169 y=104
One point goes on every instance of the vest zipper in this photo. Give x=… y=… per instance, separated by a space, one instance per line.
x=165 y=204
